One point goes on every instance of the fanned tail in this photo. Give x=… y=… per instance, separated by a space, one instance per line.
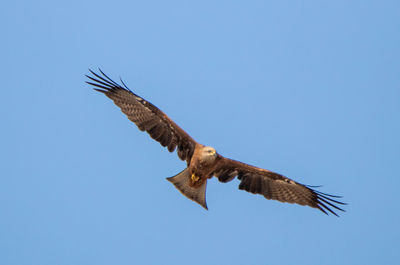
x=182 y=183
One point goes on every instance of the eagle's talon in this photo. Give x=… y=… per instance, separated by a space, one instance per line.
x=195 y=178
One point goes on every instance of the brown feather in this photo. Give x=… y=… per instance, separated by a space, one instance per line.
x=273 y=186
x=146 y=116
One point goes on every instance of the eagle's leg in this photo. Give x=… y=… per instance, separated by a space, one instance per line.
x=195 y=178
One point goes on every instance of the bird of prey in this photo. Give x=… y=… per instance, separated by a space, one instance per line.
x=203 y=162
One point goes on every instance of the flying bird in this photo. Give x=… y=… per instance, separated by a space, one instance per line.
x=203 y=162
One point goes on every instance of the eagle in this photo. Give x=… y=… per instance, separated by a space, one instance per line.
x=203 y=162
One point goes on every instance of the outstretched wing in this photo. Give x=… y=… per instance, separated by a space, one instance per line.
x=274 y=186
x=146 y=116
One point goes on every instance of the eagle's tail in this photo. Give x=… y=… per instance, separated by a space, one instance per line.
x=182 y=183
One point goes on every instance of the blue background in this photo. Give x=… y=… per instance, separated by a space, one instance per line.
x=309 y=89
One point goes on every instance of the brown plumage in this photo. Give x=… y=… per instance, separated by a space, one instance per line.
x=203 y=162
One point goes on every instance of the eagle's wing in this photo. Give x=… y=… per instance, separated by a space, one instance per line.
x=273 y=186
x=146 y=116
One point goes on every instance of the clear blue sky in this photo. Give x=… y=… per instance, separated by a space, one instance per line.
x=307 y=89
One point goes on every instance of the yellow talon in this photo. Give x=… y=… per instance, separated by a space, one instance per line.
x=195 y=178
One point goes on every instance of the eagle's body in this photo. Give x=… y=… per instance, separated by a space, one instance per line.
x=203 y=162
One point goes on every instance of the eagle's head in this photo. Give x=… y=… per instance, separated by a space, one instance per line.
x=208 y=154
